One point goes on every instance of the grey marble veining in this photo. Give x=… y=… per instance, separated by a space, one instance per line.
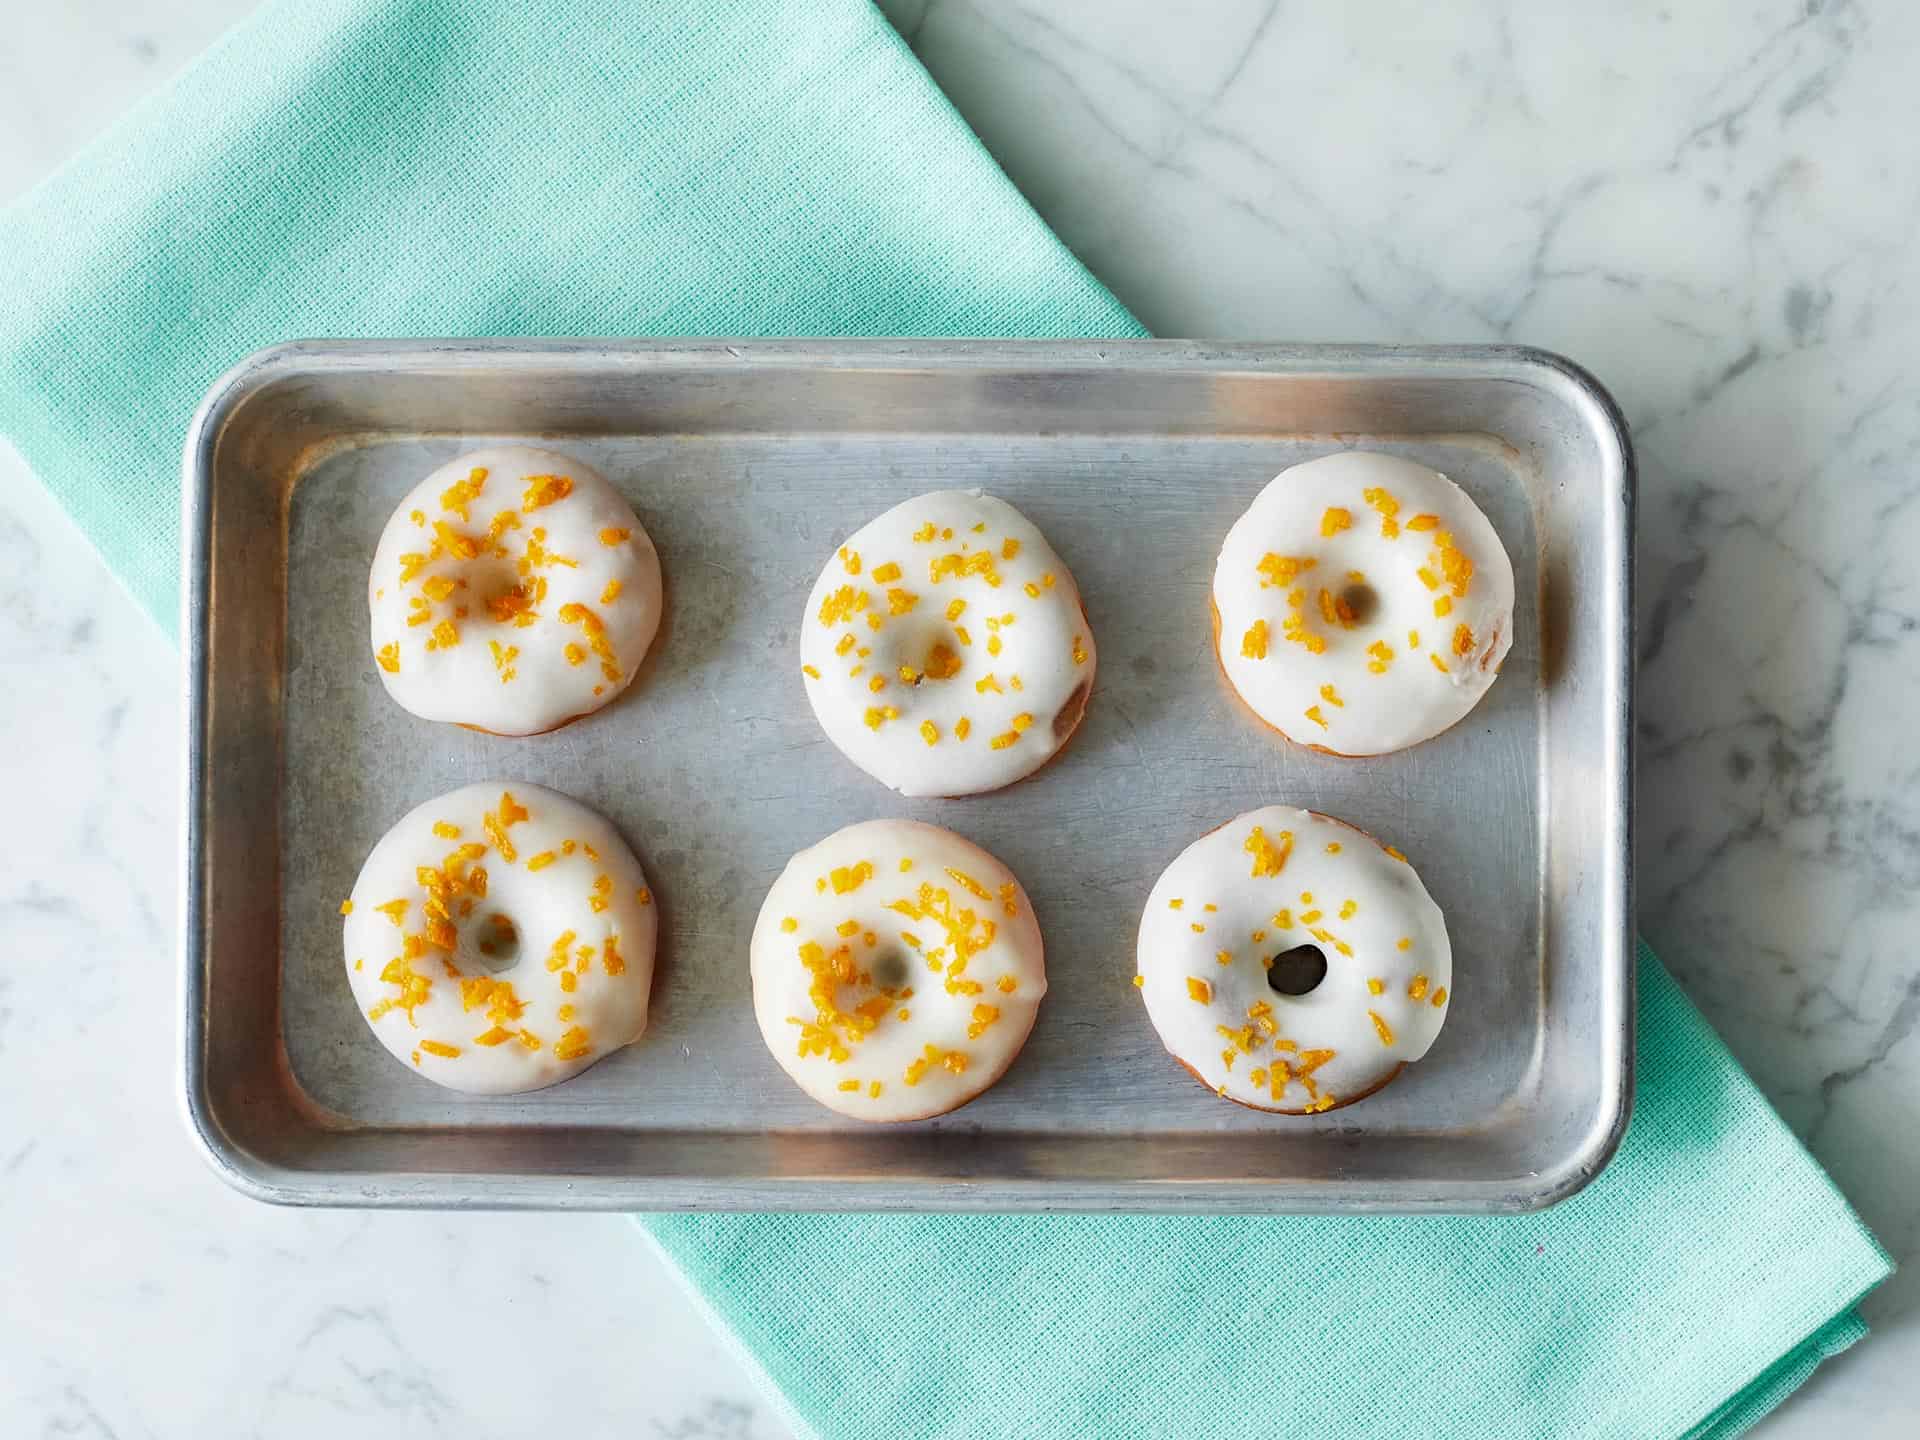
x=1715 y=207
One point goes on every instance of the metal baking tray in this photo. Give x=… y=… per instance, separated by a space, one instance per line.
x=749 y=461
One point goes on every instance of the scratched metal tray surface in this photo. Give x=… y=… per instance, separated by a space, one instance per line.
x=748 y=462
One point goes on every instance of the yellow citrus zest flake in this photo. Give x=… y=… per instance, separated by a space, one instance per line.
x=1199 y=990
x=1006 y=984
x=445 y=537
x=847 y=927
x=1405 y=942
x=810 y=672
x=1197 y=928
x=1333 y=847
x=542 y=860
x=1079 y=650
x=613 y=535
x=1009 y=548
x=1005 y=740
x=1176 y=904
x=1442 y=607
x=435 y=1047
x=575 y=654
x=596 y=633
x=1280 y=571
x=1336 y=519
x=1462 y=640
x=983 y=1017
x=1417 y=988
x=1380 y=657
x=1387 y=506
x=1253 y=645
x=1428 y=578
x=1381 y=1027
x=962 y=728
x=456 y=497
x=1454 y=565
x=1424 y=522
x=842 y=605
x=873 y=1090
x=790 y=924
x=346 y=907
x=877 y=684
x=876 y=717
x=1139 y=982
x=849 y=1085
x=546 y=490
x=988 y=682
x=498 y=1034
x=929 y=732
x=503 y=658
x=389 y=657
x=394 y=910
x=846 y=644
x=960 y=566
x=1440 y=997
x=1283 y=919
x=850 y=559
x=611 y=593
x=1376 y=987
x=1438 y=663
x=885 y=574
x=572 y=1045
x=848 y=878
x=1224 y=957
x=1033 y=590
x=899 y=602
x=1313 y=714
x=1269 y=856
x=643 y=896
x=942 y=663
x=443 y=636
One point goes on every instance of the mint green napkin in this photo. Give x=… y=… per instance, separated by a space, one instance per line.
x=476 y=167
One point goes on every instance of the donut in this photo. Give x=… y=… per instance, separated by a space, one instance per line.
x=500 y=938
x=944 y=648
x=1362 y=604
x=897 y=970
x=1293 y=963
x=513 y=591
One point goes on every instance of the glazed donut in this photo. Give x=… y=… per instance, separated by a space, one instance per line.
x=897 y=970
x=512 y=591
x=944 y=647
x=500 y=938
x=1293 y=963
x=1362 y=604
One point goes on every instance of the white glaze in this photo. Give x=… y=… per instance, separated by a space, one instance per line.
x=1351 y=698
x=563 y=862
x=513 y=670
x=860 y=625
x=1182 y=940
x=855 y=877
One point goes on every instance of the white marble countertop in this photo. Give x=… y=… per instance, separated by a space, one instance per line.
x=1714 y=206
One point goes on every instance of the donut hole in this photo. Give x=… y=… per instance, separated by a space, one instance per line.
x=494 y=584
x=1298 y=971
x=1068 y=715
x=496 y=940
x=889 y=970
x=1358 y=603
